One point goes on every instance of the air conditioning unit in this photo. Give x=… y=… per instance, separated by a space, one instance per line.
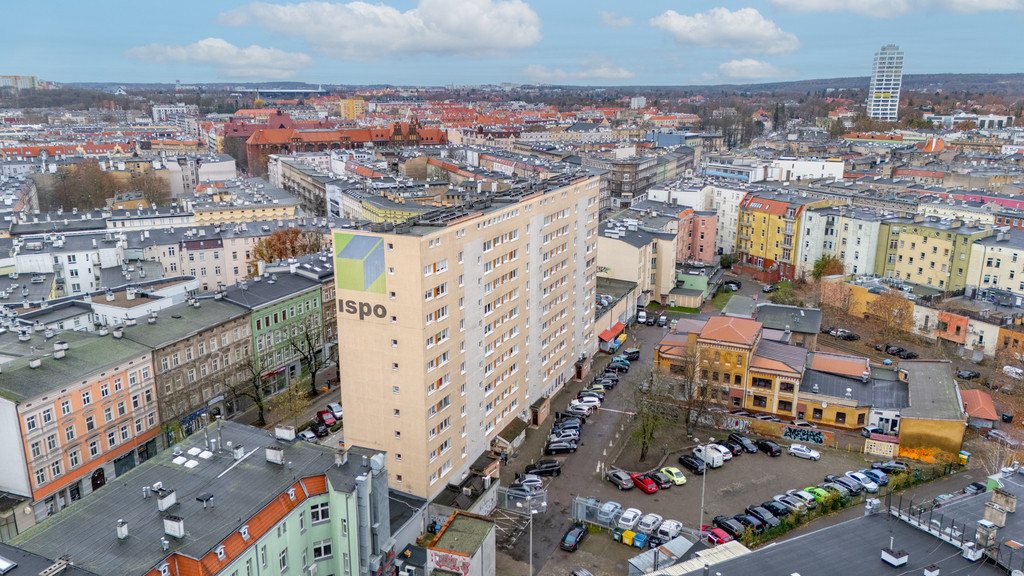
x=750 y=392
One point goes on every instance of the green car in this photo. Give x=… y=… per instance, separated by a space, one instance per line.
x=675 y=474
x=621 y=359
x=820 y=494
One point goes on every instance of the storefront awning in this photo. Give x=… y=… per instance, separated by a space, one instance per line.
x=612 y=332
x=735 y=392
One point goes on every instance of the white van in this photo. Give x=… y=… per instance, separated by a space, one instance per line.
x=641 y=317
x=669 y=530
x=1013 y=372
x=711 y=457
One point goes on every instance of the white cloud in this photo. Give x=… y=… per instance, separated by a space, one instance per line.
x=746 y=70
x=896 y=8
x=230 y=61
x=742 y=31
x=613 y=20
x=362 y=31
x=594 y=69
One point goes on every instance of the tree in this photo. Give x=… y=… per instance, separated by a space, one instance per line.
x=156 y=190
x=308 y=344
x=291 y=404
x=250 y=384
x=784 y=294
x=693 y=392
x=827 y=265
x=283 y=244
x=836 y=129
x=648 y=412
x=893 y=311
x=965 y=125
x=727 y=260
x=84 y=186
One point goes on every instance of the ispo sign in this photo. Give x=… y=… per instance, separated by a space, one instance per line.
x=363 y=309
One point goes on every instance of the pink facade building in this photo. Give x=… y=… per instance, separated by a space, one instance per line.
x=696 y=236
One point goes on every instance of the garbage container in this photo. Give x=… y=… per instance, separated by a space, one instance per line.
x=639 y=541
x=964 y=457
x=1008 y=418
x=617 y=534
x=627 y=537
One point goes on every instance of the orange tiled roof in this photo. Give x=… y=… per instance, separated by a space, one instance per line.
x=978 y=404
x=842 y=364
x=731 y=330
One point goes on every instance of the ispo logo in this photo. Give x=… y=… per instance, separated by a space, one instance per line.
x=363 y=309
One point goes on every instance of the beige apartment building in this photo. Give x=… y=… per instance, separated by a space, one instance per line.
x=450 y=327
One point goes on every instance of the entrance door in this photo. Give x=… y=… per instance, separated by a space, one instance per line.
x=75 y=491
x=99 y=478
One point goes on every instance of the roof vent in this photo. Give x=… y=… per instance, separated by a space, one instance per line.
x=35 y=363
x=275 y=455
x=238 y=452
x=122 y=529
x=814 y=388
x=849 y=393
x=165 y=498
x=174 y=526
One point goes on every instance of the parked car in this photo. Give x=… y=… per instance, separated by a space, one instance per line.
x=532 y=481
x=735 y=283
x=876 y=476
x=663 y=320
x=1002 y=437
x=590 y=394
x=579 y=410
x=729 y=525
x=644 y=482
x=743 y=441
x=750 y=522
x=609 y=376
x=576 y=533
x=606 y=513
x=867 y=431
x=692 y=463
x=894 y=350
x=675 y=474
x=641 y=317
x=546 y=467
x=819 y=494
x=941 y=498
x=975 y=488
x=629 y=519
x=967 y=374
x=651 y=320
x=725 y=452
x=631 y=353
x=559 y=447
x=714 y=536
x=621 y=360
x=891 y=467
x=661 y=479
x=768 y=447
x=852 y=486
x=320 y=429
x=590 y=401
x=802 y=451
x=669 y=530
x=836 y=489
x=907 y=355
x=567 y=426
x=733 y=447
x=769 y=288
x=762 y=514
x=805 y=496
x=335 y=409
x=326 y=417
x=307 y=435
x=768 y=417
x=792 y=503
x=649 y=523
x=777 y=509
x=567 y=435
x=712 y=458
x=868 y=484
x=843 y=334
x=881 y=347
x=620 y=478
x=802 y=424
x=743 y=413
x=617 y=367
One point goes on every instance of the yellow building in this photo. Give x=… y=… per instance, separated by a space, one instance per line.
x=449 y=329
x=381 y=209
x=927 y=251
x=641 y=256
x=351 y=108
x=768 y=233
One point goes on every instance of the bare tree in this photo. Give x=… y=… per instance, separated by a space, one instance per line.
x=308 y=343
x=689 y=389
x=290 y=404
x=251 y=384
x=895 y=313
x=995 y=455
x=651 y=407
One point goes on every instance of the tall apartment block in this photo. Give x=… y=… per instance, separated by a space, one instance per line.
x=452 y=325
x=886 y=79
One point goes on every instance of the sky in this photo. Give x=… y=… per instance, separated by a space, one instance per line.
x=471 y=42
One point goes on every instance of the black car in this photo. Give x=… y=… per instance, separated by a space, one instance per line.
x=750 y=522
x=610 y=375
x=777 y=510
x=762 y=514
x=590 y=393
x=848 y=336
x=851 y=485
x=907 y=355
x=631 y=354
x=735 y=447
x=827 y=329
x=729 y=525
x=692 y=463
x=545 y=468
x=320 y=429
x=891 y=467
x=735 y=283
x=652 y=320
x=742 y=440
x=559 y=447
x=568 y=420
x=967 y=374
x=768 y=447
x=881 y=347
x=975 y=488
x=576 y=533
x=894 y=350
x=662 y=480
x=617 y=368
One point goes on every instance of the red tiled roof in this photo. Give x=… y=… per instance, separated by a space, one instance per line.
x=731 y=330
x=612 y=332
x=978 y=404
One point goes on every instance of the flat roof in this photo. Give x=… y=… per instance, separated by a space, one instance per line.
x=267 y=290
x=181 y=320
x=463 y=534
x=933 y=391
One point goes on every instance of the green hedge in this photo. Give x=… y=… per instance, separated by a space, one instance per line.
x=337 y=426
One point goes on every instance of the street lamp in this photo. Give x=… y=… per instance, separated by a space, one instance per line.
x=529 y=512
x=703 y=481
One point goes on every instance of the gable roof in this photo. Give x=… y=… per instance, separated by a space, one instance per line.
x=797 y=319
x=732 y=330
x=978 y=404
x=777 y=356
x=840 y=364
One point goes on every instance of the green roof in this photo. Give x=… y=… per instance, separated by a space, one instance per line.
x=19 y=382
x=464 y=534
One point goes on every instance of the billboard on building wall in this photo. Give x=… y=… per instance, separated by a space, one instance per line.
x=359 y=263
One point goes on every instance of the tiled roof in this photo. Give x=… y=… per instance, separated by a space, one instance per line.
x=978 y=404
x=731 y=330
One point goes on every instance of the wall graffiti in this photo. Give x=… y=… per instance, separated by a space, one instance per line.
x=807 y=435
x=733 y=423
x=449 y=562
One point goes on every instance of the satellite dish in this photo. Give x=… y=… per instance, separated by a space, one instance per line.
x=1017 y=573
x=824 y=404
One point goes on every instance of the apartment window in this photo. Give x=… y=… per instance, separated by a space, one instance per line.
x=86 y=398
x=74 y=458
x=840 y=417
x=108 y=414
x=319 y=513
x=41 y=476
x=47 y=416
x=65 y=407
x=104 y=391
x=111 y=439
x=816 y=414
x=69 y=433
x=263 y=555
x=397 y=413
x=322 y=549
x=90 y=424
x=94 y=448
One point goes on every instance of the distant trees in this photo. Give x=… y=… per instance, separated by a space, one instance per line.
x=156 y=190
x=784 y=294
x=84 y=186
x=308 y=344
x=895 y=313
x=827 y=265
x=283 y=244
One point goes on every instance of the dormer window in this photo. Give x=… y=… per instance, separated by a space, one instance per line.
x=221 y=553
x=291 y=494
x=244 y=531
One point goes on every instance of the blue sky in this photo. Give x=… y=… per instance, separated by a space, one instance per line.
x=436 y=42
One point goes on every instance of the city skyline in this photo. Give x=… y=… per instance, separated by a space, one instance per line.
x=438 y=42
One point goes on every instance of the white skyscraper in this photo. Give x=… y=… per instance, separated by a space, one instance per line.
x=886 y=79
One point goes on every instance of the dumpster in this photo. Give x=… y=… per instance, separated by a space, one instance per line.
x=617 y=534
x=627 y=537
x=1008 y=418
x=640 y=541
x=964 y=457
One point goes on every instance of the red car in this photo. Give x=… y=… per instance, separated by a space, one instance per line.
x=714 y=536
x=644 y=482
x=326 y=417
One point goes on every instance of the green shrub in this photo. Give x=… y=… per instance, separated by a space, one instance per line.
x=337 y=426
x=304 y=426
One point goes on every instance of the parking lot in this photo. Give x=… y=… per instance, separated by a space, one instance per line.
x=747 y=479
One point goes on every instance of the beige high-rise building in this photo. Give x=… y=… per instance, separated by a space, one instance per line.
x=351 y=108
x=450 y=327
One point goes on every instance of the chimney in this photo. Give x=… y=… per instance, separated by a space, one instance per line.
x=122 y=529
x=165 y=498
x=341 y=458
x=995 y=514
x=174 y=526
x=118 y=332
x=238 y=451
x=985 y=535
x=932 y=570
x=275 y=455
x=1005 y=500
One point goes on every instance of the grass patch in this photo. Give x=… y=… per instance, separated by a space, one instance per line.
x=721 y=299
x=683 y=309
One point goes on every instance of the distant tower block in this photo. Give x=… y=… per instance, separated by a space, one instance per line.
x=360 y=263
x=886 y=80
